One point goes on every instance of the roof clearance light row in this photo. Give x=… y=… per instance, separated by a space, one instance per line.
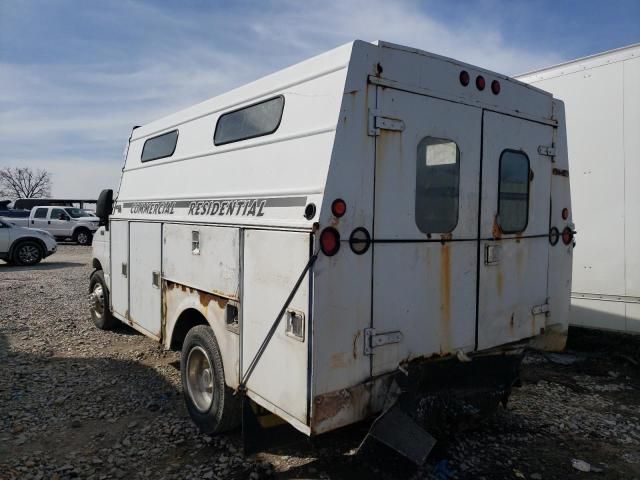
x=480 y=82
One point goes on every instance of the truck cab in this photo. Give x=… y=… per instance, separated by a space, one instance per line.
x=65 y=222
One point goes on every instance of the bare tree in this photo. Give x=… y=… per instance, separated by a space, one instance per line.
x=16 y=182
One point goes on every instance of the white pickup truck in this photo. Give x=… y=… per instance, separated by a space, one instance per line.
x=62 y=222
x=24 y=246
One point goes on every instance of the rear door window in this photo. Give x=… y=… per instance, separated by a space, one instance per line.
x=513 y=192
x=437 y=185
x=40 y=213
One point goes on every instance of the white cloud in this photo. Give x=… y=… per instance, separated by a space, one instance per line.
x=74 y=118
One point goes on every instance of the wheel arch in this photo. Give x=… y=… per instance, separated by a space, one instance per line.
x=18 y=241
x=188 y=319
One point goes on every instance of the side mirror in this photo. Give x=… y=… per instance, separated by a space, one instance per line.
x=104 y=206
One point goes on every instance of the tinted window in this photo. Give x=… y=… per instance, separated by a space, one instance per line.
x=58 y=214
x=40 y=213
x=77 y=212
x=249 y=122
x=437 y=179
x=513 y=193
x=161 y=146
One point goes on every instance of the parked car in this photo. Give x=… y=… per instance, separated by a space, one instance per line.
x=62 y=222
x=24 y=246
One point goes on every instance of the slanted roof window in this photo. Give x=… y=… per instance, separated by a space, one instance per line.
x=249 y=122
x=161 y=146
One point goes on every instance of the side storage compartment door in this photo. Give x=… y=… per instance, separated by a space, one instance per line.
x=144 y=287
x=273 y=262
x=514 y=246
x=119 y=291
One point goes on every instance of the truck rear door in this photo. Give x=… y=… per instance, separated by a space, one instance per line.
x=425 y=247
x=514 y=245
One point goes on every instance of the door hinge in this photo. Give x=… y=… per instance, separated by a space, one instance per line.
x=547 y=151
x=373 y=340
x=377 y=122
x=540 y=309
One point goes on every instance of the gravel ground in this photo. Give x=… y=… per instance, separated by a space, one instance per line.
x=76 y=402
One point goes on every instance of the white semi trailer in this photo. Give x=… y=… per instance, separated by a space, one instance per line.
x=308 y=237
x=602 y=99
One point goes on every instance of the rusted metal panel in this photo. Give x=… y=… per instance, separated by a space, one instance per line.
x=178 y=298
x=424 y=284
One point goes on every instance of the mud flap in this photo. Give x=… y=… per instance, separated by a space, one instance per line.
x=400 y=432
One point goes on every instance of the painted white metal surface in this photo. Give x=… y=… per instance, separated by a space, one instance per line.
x=214 y=267
x=423 y=288
x=273 y=261
x=602 y=97
x=119 y=260
x=516 y=281
x=247 y=203
x=145 y=243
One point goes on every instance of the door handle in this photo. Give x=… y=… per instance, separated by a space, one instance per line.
x=49 y=222
x=155 y=279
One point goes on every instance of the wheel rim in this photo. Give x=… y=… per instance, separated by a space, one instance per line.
x=28 y=254
x=97 y=300
x=83 y=238
x=200 y=379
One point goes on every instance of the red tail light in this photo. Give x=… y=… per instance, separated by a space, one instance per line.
x=338 y=207
x=330 y=241
x=495 y=87
x=565 y=213
x=567 y=236
x=480 y=83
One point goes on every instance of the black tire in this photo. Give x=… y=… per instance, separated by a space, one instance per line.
x=82 y=236
x=27 y=253
x=223 y=411
x=99 y=294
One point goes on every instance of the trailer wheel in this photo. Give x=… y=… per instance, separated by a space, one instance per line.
x=99 y=297
x=211 y=404
x=82 y=236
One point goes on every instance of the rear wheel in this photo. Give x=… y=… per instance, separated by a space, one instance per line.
x=99 y=298
x=211 y=404
x=27 y=253
x=82 y=236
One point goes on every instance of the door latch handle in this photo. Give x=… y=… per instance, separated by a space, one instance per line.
x=155 y=278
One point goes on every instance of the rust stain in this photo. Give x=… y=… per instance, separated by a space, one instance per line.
x=496 y=230
x=329 y=405
x=205 y=298
x=355 y=344
x=446 y=237
x=512 y=325
x=499 y=282
x=338 y=360
x=445 y=298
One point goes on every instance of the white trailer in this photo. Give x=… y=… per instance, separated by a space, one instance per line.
x=602 y=98
x=392 y=207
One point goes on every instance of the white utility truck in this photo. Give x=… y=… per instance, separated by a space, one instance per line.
x=371 y=212
x=602 y=97
x=62 y=222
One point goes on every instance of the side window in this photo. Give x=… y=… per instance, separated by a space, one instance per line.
x=161 y=146
x=513 y=192
x=40 y=213
x=58 y=214
x=437 y=185
x=249 y=122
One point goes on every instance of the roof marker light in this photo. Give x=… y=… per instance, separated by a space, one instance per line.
x=495 y=87
x=464 y=78
x=480 y=83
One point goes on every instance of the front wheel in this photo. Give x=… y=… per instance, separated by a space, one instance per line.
x=27 y=253
x=99 y=300
x=82 y=236
x=211 y=404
